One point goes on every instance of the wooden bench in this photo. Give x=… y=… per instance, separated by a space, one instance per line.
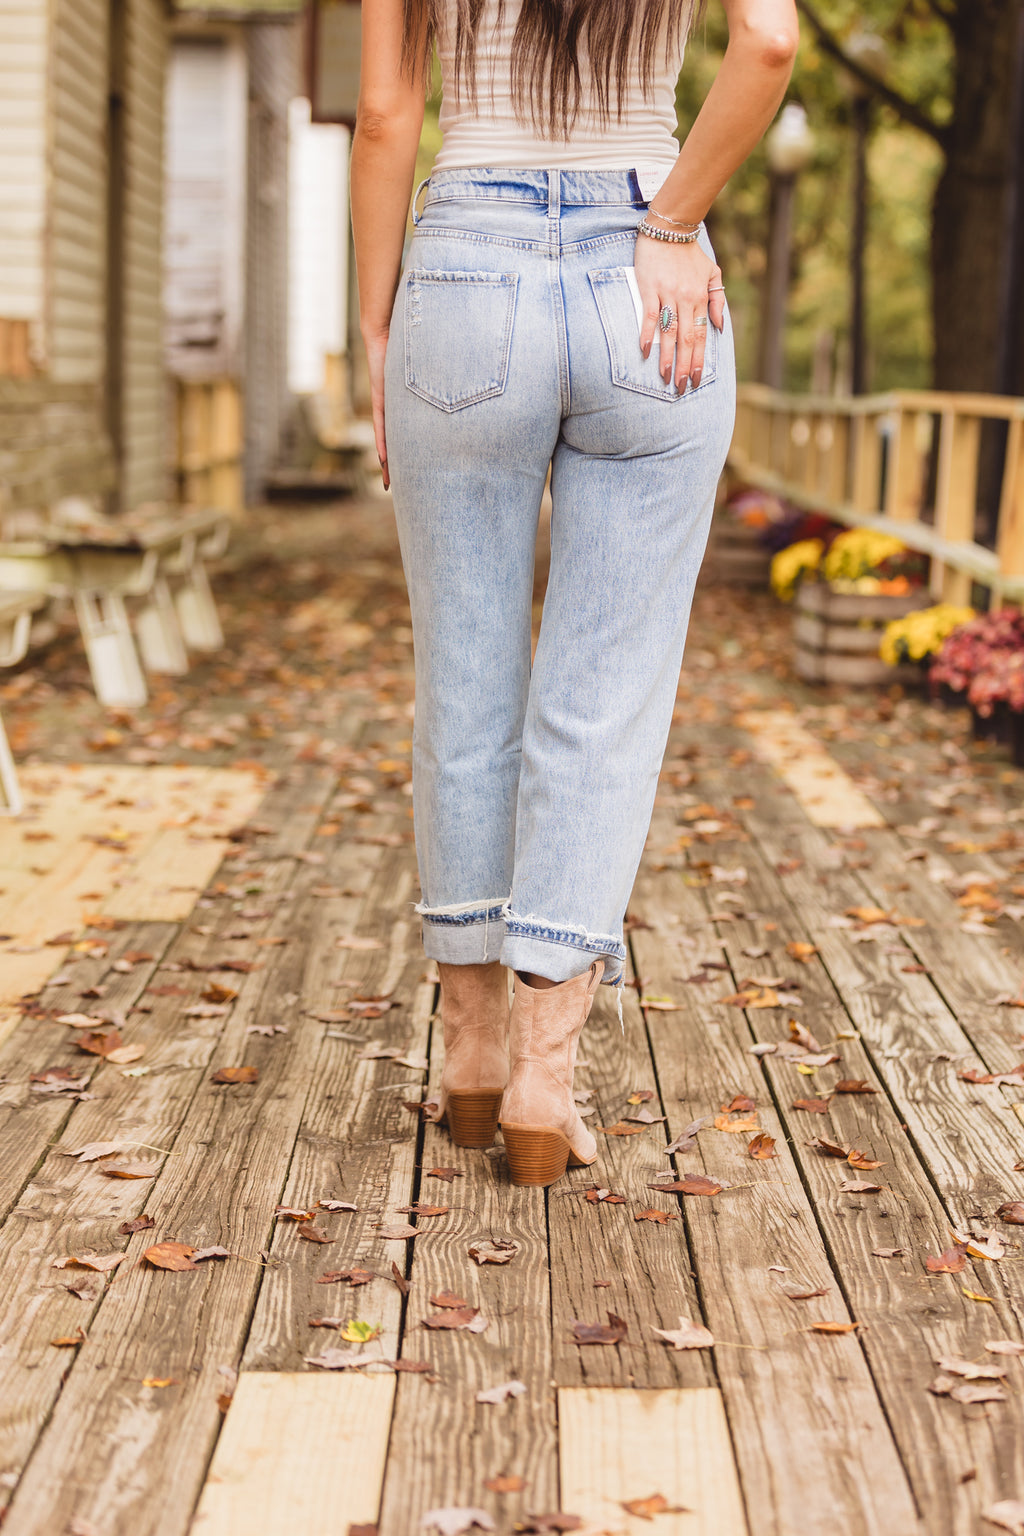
x=157 y=557
x=16 y=610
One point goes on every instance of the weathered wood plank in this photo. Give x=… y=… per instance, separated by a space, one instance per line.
x=911 y=1319
x=647 y=1263
x=444 y=1444
x=779 y=1381
x=298 y=1452
x=618 y=1445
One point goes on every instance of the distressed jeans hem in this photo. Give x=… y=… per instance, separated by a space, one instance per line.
x=466 y=935
x=560 y=953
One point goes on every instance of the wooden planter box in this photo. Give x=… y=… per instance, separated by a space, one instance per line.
x=837 y=635
x=735 y=554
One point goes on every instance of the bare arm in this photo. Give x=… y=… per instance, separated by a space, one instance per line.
x=387 y=135
x=741 y=104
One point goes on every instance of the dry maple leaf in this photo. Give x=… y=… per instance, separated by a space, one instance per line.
x=94 y=1150
x=215 y=1252
x=353 y=1276
x=741 y=1104
x=859 y=1187
x=829 y=1327
x=745 y=1125
x=419 y=1209
x=236 y=1075
x=70 y=1341
x=502 y=1392
x=812 y=1106
x=853 y=1085
x=802 y=1037
x=418 y=1367
x=620 y=1128
x=102 y=1262
x=338 y=1359
x=970 y=1370
x=99 y=1042
x=612 y=1332
x=176 y=1256
x=293 y=1212
x=661 y=1217
x=687 y=1336
x=762 y=1147
x=447 y=1174
x=688 y=1139
x=505 y=1482
x=797 y=949
x=888 y=1253
x=448 y=1299
x=452 y=1318
x=336 y=1205
x=312 y=1234
x=599 y=1196
x=497 y=1252
x=399 y=1230
x=1004 y=1347
x=1012 y=1211
x=951 y=1262
x=654 y=1504
x=692 y=1184
x=404 y=1285
x=829 y=1148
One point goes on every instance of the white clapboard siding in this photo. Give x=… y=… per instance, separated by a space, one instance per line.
x=317 y=246
x=24 y=34
x=144 y=472
x=78 y=203
x=205 y=205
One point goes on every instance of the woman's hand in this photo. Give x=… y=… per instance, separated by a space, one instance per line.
x=376 y=343
x=686 y=281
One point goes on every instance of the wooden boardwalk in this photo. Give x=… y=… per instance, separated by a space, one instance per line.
x=779 y=897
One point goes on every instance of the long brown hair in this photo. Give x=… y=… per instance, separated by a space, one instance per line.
x=549 y=40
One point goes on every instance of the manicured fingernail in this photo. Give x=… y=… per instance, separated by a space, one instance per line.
x=695 y=376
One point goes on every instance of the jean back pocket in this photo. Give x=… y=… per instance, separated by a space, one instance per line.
x=630 y=369
x=458 y=335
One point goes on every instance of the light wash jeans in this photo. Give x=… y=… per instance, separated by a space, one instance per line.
x=514 y=346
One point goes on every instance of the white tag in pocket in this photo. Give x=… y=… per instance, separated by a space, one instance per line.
x=638 y=305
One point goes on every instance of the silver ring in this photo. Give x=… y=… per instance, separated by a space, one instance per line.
x=667 y=318
x=700 y=320
x=719 y=289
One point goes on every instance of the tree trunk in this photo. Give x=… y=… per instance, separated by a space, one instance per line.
x=970 y=234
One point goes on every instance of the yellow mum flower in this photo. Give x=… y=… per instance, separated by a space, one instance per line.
x=921 y=634
x=790 y=564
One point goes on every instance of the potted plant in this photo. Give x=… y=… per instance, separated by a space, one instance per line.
x=845 y=591
x=916 y=638
x=982 y=664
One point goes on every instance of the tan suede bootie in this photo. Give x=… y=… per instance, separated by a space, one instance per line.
x=539 y=1120
x=474 y=1013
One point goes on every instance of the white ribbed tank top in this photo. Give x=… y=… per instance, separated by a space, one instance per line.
x=486 y=132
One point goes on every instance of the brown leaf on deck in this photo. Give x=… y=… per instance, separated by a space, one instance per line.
x=661 y=1217
x=139 y=1224
x=620 y=1128
x=99 y=1042
x=353 y=1276
x=853 y=1085
x=419 y=1209
x=692 y=1184
x=744 y=1126
x=951 y=1262
x=804 y=1295
x=612 y=1332
x=797 y=949
x=452 y=1318
x=859 y=1187
x=404 y=1285
x=803 y=1037
x=762 y=1147
x=829 y=1327
x=175 y=1256
x=496 y=1252
x=687 y=1336
x=294 y=1212
x=69 y=1341
x=102 y=1262
x=394 y=1231
x=654 y=1504
x=236 y=1075
x=826 y=1148
x=741 y=1104
x=130 y=1170
x=1012 y=1211
x=448 y=1299
x=812 y=1106
x=447 y=1174
x=505 y=1482
x=863 y=1162
x=419 y=1367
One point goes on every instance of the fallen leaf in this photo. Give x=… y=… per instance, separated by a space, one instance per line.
x=661 y=1217
x=353 y=1276
x=293 y=1212
x=99 y=1042
x=853 y=1085
x=692 y=1184
x=827 y=1327
x=812 y=1106
x=803 y=1037
x=453 y=1318
x=804 y=1295
x=216 y=1252
x=659 y=1004
x=687 y=1336
x=862 y=1161
x=829 y=1148
x=599 y=1196
x=130 y=1170
x=311 y=1234
x=499 y=1252
x=399 y=1230
x=888 y=1253
x=70 y=1341
x=94 y=1150
x=762 y=1147
x=102 y=1262
x=338 y=1359
x=502 y=1393
x=159 y=1381
x=176 y=1256
x=356 y=1332
x=688 y=1139
x=504 y=1482
x=420 y=1367
x=541 y=1525
x=977 y=1296
x=970 y=1392
x=949 y=1263
x=797 y=949
x=419 y=1209
x=58 y=1080
x=744 y=1125
x=447 y=1174
x=740 y=1105
x=859 y=1187
x=336 y=1205
x=403 y=1284
x=448 y=1299
x=971 y=1370
x=236 y=1075
x=1012 y=1211
x=612 y=1332
x=139 y=1224
x=620 y=1128
x=654 y=1504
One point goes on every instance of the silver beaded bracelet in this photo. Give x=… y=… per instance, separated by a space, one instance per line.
x=643 y=228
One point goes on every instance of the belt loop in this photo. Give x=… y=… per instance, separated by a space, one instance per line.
x=416 y=197
x=554 y=194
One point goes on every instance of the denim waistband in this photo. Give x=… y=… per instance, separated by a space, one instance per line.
x=552 y=190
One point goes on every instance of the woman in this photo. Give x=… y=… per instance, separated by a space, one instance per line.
x=561 y=309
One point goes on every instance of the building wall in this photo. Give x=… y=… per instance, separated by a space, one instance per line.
x=24 y=38
x=144 y=407
x=274 y=78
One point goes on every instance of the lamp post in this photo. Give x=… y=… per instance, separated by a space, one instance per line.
x=869 y=51
x=790 y=150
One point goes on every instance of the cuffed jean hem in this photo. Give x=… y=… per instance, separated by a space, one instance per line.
x=466 y=935
x=559 y=953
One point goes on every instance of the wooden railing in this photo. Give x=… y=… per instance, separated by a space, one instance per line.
x=909 y=463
